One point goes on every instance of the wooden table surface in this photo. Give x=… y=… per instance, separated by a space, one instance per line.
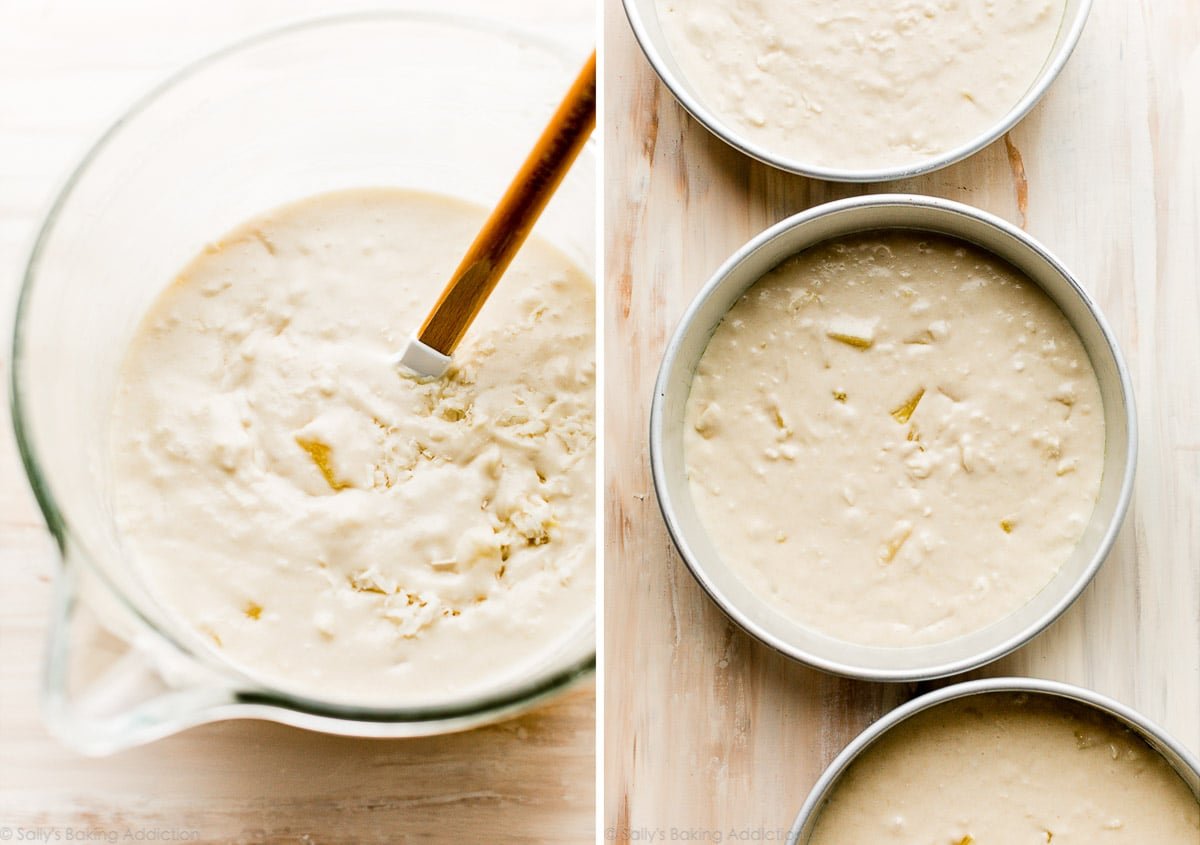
x=66 y=70
x=709 y=734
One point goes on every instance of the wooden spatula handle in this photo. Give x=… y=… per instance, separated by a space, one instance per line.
x=513 y=218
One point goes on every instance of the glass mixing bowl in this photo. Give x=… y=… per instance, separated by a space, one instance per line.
x=426 y=102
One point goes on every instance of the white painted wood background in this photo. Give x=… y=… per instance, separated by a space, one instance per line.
x=67 y=69
x=707 y=732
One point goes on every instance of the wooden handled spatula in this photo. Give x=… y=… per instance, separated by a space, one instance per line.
x=428 y=351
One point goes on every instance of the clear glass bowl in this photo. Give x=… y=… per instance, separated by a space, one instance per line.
x=426 y=102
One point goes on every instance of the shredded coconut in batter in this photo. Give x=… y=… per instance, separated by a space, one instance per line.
x=860 y=84
x=895 y=439
x=328 y=523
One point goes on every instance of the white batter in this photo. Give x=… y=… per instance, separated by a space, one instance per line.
x=860 y=84
x=895 y=439
x=1009 y=769
x=328 y=523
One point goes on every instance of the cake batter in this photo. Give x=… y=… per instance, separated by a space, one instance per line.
x=895 y=439
x=864 y=84
x=1003 y=769
x=329 y=523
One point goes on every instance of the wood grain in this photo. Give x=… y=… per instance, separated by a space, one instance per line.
x=708 y=733
x=67 y=68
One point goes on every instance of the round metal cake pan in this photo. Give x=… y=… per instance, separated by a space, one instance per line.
x=1185 y=764
x=746 y=267
x=643 y=20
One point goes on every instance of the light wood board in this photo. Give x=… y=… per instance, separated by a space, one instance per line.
x=708 y=733
x=67 y=69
